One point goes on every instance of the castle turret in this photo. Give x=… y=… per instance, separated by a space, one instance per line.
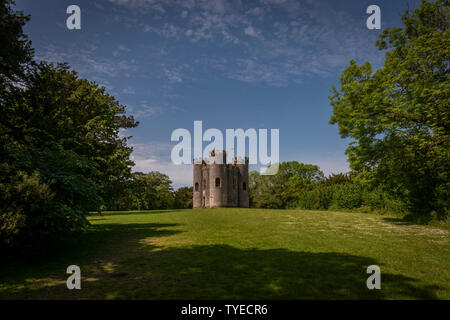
x=198 y=186
x=242 y=164
x=218 y=180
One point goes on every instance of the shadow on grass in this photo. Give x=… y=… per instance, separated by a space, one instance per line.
x=101 y=240
x=122 y=213
x=400 y=221
x=145 y=270
x=409 y=220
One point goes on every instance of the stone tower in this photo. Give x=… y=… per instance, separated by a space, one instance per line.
x=218 y=184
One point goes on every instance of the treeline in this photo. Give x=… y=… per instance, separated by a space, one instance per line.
x=304 y=186
x=149 y=191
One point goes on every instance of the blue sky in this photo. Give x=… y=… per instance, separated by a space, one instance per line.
x=232 y=64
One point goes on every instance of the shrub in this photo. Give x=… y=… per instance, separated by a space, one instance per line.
x=30 y=216
x=319 y=198
x=348 y=196
x=374 y=199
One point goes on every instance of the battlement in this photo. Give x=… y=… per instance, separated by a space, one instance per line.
x=240 y=160
x=220 y=157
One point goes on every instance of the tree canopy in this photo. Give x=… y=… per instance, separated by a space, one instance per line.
x=61 y=154
x=278 y=191
x=16 y=53
x=398 y=115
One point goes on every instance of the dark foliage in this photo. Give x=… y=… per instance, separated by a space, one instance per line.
x=60 y=150
x=183 y=198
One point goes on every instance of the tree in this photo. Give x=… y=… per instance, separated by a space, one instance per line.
x=61 y=143
x=183 y=198
x=145 y=191
x=398 y=116
x=82 y=117
x=61 y=154
x=157 y=190
x=340 y=178
x=278 y=191
x=16 y=53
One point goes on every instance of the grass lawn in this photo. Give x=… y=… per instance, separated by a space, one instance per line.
x=242 y=254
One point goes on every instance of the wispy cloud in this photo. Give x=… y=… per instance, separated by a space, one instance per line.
x=144 y=110
x=181 y=175
x=276 y=42
x=173 y=76
x=128 y=90
x=155 y=156
x=253 y=71
x=88 y=63
x=152 y=150
x=330 y=162
x=252 y=32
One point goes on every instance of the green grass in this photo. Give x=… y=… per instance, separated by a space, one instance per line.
x=242 y=254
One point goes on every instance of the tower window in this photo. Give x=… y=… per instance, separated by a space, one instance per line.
x=244 y=186
x=196 y=186
x=204 y=184
x=217 y=182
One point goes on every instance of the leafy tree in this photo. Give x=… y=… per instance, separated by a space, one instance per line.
x=183 y=198
x=157 y=190
x=145 y=191
x=83 y=118
x=278 y=191
x=16 y=53
x=60 y=150
x=398 y=116
x=340 y=178
x=261 y=193
x=60 y=138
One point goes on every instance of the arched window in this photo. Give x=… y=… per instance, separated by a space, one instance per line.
x=196 y=186
x=217 y=182
x=244 y=186
x=204 y=184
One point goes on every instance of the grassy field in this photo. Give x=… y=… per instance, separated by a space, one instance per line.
x=242 y=254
